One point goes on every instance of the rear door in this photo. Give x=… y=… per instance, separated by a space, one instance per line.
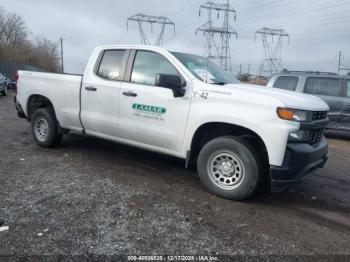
x=329 y=90
x=101 y=91
x=149 y=114
x=345 y=114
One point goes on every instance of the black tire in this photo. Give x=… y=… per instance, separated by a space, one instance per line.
x=223 y=154
x=53 y=135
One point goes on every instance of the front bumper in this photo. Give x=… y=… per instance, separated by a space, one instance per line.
x=19 y=108
x=299 y=162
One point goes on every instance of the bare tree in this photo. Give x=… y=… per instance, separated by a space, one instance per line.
x=2 y=24
x=13 y=30
x=16 y=46
x=45 y=54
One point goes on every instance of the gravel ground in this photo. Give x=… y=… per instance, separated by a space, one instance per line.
x=91 y=196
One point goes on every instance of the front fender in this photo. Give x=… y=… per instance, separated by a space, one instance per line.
x=261 y=120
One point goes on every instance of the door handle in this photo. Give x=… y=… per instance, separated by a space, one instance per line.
x=91 y=88
x=130 y=93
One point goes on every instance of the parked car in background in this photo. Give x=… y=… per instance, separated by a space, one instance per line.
x=3 y=84
x=330 y=87
x=10 y=84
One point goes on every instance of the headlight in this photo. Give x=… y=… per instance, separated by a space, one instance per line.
x=293 y=114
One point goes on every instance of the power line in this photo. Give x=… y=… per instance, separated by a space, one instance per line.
x=319 y=24
x=184 y=9
x=312 y=23
x=186 y=27
x=289 y=7
x=154 y=6
x=294 y=29
x=259 y=7
x=318 y=21
x=293 y=12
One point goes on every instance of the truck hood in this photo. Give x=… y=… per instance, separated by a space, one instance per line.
x=290 y=99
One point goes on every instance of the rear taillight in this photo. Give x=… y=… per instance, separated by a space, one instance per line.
x=16 y=79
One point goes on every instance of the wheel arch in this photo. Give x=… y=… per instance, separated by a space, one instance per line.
x=36 y=101
x=211 y=130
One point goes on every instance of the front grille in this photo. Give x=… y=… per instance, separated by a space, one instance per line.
x=315 y=136
x=319 y=115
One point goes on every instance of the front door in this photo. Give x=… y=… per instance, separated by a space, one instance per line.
x=100 y=94
x=149 y=114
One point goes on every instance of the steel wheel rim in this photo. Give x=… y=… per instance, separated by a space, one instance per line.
x=226 y=170
x=41 y=128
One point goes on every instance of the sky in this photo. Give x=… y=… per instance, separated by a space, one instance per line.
x=318 y=29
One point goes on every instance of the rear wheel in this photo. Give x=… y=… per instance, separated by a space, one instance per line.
x=45 y=129
x=229 y=167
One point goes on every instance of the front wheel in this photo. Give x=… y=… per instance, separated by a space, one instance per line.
x=229 y=167
x=45 y=129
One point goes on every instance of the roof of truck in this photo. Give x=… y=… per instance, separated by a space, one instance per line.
x=150 y=47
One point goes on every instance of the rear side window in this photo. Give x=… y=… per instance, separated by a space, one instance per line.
x=348 y=88
x=286 y=83
x=322 y=86
x=111 y=64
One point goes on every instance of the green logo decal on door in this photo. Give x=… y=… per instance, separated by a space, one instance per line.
x=150 y=109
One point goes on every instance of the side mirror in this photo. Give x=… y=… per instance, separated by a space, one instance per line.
x=173 y=82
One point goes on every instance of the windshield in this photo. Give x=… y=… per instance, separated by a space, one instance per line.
x=205 y=70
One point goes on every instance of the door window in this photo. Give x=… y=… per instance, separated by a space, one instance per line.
x=348 y=88
x=286 y=83
x=111 y=64
x=147 y=65
x=322 y=86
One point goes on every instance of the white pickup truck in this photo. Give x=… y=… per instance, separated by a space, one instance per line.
x=185 y=106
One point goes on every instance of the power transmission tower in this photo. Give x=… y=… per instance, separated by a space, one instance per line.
x=218 y=50
x=150 y=19
x=271 y=49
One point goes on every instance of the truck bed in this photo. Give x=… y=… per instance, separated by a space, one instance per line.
x=63 y=90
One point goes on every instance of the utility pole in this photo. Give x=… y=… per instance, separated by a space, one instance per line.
x=339 y=62
x=151 y=19
x=272 y=51
x=341 y=67
x=219 y=52
x=62 y=62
